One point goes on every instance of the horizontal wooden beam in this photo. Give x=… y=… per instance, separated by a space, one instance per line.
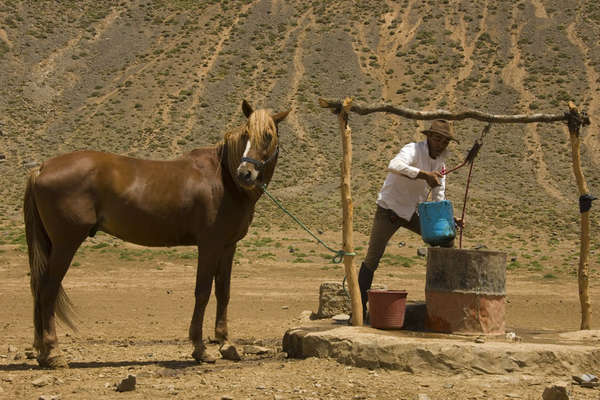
x=336 y=105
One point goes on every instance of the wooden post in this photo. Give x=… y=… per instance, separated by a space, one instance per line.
x=348 y=217
x=574 y=123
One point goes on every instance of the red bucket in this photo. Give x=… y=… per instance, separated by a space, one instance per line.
x=386 y=308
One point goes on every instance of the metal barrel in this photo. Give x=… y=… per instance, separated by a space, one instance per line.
x=465 y=291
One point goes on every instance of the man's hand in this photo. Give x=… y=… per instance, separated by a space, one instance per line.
x=459 y=223
x=432 y=178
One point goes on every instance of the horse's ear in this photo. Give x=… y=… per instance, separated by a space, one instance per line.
x=247 y=109
x=277 y=118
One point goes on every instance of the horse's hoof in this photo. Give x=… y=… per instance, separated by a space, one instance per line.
x=56 y=362
x=202 y=356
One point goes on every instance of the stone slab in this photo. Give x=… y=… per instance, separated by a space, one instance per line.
x=420 y=351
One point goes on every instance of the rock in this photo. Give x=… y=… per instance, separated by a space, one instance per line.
x=230 y=352
x=18 y=356
x=30 y=164
x=127 y=384
x=49 y=397
x=422 y=252
x=341 y=318
x=226 y=397
x=30 y=355
x=586 y=379
x=2 y=157
x=556 y=391
x=12 y=348
x=252 y=349
x=333 y=300
x=422 y=396
x=43 y=381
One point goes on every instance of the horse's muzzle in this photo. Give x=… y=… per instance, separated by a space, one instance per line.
x=247 y=175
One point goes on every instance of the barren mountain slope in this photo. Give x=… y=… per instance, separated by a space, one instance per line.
x=156 y=79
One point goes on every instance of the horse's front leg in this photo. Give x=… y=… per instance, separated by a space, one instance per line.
x=207 y=265
x=222 y=288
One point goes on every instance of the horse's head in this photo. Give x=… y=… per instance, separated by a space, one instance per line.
x=260 y=136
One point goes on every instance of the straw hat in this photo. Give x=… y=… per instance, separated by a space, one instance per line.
x=442 y=127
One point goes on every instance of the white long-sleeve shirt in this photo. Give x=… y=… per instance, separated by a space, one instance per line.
x=401 y=191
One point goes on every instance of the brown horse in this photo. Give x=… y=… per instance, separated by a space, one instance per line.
x=205 y=198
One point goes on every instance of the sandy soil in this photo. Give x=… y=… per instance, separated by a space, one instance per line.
x=135 y=305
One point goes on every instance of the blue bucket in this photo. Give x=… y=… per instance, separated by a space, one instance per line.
x=437 y=222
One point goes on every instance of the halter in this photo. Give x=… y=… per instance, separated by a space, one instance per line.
x=260 y=165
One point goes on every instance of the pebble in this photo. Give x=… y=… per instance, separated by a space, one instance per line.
x=226 y=397
x=127 y=384
x=556 y=391
x=422 y=396
x=230 y=352
x=30 y=164
x=252 y=349
x=43 y=381
x=49 y=397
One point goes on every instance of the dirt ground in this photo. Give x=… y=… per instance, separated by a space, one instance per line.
x=135 y=305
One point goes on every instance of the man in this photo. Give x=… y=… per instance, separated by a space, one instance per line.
x=412 y=174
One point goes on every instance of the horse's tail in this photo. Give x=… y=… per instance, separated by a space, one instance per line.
x=39 y=247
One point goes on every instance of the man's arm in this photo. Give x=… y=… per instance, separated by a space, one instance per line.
x=401 y=165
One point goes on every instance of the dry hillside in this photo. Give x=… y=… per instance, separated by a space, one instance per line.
x=156 y=79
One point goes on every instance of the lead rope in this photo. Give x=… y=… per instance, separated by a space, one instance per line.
x=339 y=254
x=471 y=160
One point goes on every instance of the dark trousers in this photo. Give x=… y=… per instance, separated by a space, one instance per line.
x=385 y=224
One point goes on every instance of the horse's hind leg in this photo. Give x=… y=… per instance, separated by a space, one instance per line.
x=222 y=289
x=51 y=300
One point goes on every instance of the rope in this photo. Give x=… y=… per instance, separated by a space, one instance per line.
x=339 y=254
